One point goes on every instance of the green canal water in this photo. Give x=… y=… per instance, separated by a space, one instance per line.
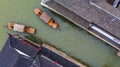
x=71 y=39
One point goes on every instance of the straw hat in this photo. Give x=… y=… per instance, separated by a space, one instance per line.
x=37 y=11
x=54 y=25
x=10 y=25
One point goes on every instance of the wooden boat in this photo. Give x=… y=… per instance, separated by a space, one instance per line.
x=20 y=28
x=46 y=18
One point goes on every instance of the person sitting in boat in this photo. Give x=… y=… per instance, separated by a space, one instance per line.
x=20 y=28
x=46 y=18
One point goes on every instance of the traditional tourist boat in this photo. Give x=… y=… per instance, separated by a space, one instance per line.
x=20 y=28
x=46 y=18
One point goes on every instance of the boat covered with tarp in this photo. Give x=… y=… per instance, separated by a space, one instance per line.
x=18 y=52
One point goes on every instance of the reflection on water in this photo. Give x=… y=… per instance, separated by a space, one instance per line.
x=71 y=39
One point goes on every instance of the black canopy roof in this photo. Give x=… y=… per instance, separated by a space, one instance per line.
x=9 y=57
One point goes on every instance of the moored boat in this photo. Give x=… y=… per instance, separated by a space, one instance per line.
x=46 y=18
x=20 y=28
x=25 y=53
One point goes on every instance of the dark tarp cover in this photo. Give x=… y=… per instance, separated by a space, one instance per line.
x=11 y=58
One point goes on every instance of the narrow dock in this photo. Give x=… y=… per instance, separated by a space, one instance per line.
x=98 y=18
